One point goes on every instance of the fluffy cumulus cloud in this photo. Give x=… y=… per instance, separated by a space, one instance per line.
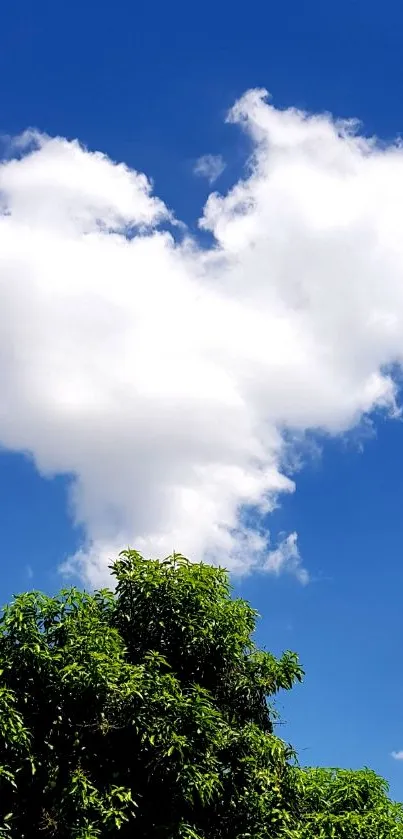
x=168 y=379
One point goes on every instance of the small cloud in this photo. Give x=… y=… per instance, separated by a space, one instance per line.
x=286 y=558
x=29 y=572
x=210 y=166
x=397 y=755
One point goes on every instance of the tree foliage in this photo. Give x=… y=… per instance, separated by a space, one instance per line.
x=146 y=711
x=347 y=804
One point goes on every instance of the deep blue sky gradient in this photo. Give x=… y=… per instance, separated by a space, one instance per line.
x=150 y=84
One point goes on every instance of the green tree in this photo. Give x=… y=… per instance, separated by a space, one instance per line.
x=146 y=711
x=345 y=804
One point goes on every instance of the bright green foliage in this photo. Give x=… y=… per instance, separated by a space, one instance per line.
x=144 y=712
x=346 y=804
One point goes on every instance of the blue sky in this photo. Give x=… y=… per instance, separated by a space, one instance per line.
x=151 y=86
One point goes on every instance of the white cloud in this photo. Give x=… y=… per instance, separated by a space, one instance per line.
x=397 y=755
x=29 y=572
x=162 y=376
x=210 y=166
x=286 y=557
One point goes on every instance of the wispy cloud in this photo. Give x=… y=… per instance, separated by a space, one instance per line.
x=286 y=558
x=210 y=166
x=397 y=755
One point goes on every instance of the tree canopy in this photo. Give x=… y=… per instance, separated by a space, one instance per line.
x=147 y=711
